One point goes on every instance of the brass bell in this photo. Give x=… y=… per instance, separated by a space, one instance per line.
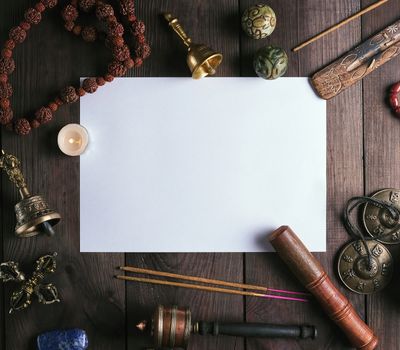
x=201 y=60
x=33 y=214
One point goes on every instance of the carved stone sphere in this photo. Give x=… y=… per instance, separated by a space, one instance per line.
x=259 y=21
x=270 y=62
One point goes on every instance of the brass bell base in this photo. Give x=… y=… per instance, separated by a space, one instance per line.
x=31 y=214
x=202 y=61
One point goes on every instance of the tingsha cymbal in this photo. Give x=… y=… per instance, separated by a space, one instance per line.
x=358 y=274
x=378 y=222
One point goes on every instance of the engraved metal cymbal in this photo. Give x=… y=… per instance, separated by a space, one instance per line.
x=354 y=271
x=378 y=222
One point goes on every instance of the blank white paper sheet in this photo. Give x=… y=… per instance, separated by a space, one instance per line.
x=215 y=165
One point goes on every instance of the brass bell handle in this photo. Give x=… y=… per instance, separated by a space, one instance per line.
x=12 y=166
x=176 y=26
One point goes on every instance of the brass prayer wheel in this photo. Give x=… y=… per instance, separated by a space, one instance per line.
x=202 y=60
x=33 y=214
x=378 y=222
x=172 y=328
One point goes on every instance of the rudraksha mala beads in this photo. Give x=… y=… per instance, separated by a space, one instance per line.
x=122 y=61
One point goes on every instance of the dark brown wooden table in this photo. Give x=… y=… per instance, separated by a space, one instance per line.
x=363 y=155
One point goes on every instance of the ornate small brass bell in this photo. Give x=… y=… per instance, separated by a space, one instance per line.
x=32 y=212
x=201 y=60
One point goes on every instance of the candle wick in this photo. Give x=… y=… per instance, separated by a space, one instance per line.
x=71 y=141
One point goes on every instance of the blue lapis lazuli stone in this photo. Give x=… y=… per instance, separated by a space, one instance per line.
x=72 y=339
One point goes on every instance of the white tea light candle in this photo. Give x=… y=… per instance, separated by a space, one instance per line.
x=73 y=139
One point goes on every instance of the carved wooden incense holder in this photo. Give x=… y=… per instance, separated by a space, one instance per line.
x=313 y=276
x=357 y=63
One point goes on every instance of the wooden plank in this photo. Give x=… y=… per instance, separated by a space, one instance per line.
x=214 y=24
x=344 y=168
x=91 y=298
x=381 y=144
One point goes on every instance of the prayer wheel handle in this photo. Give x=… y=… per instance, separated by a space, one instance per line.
x=255 y=330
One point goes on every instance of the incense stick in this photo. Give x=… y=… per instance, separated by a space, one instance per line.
x=340 y=24
x=207 y=289
x=206 y=280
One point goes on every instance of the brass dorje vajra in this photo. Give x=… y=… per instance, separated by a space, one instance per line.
x=32 y=212
x=202 y=60
x=22 y=297
x=365 y=265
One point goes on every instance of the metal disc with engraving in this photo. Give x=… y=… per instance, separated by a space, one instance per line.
x=353 y=267
x=378 y=222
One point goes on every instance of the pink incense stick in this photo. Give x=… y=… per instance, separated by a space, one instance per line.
x=288 y=292
x=285 y=298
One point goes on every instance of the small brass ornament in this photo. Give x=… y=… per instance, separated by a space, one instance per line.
x=357 y=275
x=33 y=214
x=259 y=21
x=365 y=265
x=22 y=298
x=378 y=222
x=202 y=60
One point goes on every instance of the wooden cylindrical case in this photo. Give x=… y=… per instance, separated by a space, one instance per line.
x=313 y=276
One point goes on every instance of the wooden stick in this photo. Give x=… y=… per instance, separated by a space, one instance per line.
x=205 y=280
x=206 y=288
x=340 y=24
